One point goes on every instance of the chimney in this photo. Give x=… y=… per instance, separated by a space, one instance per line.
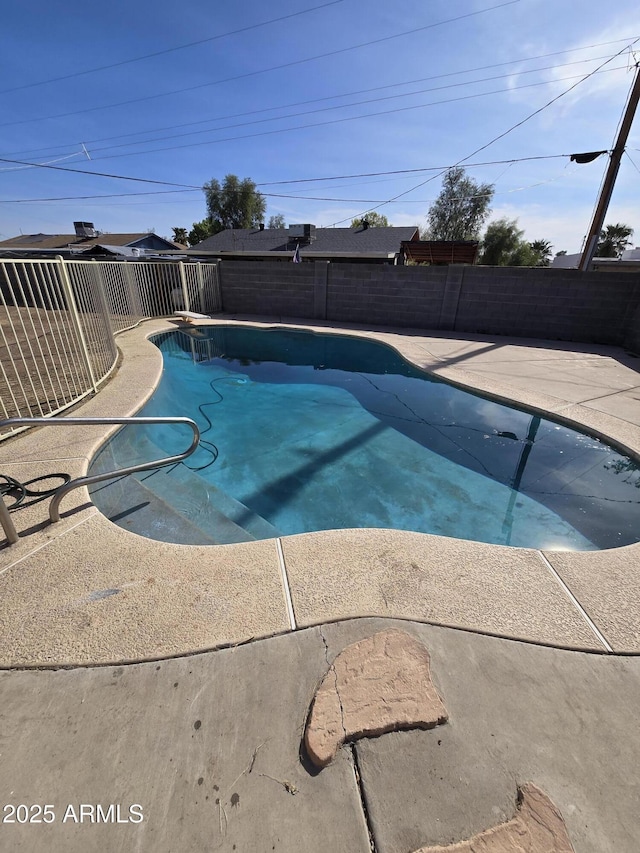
x=261 y=226
x=84 y=229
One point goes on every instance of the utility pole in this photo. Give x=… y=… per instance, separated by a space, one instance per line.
x=610 y=178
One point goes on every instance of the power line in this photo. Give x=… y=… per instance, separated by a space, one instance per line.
x=306 y=126
x=337 y=107
x=285 y=195
x=169 y=49
x=508 y=131
x=549 y=103
x=86 y=197
x=192 y=188
x=342 y=120
x=334 y=97
x=410 y=171
x=247 y=74
x=98 y=174
x=416 y=201
x=632 y=161
x=603 y=179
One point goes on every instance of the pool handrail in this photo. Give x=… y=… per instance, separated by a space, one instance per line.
x=54 y=507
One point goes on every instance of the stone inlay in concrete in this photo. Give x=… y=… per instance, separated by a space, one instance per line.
x=538 y=827
x=378 y=685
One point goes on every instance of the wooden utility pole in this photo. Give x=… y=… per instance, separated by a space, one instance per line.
x=610 y=178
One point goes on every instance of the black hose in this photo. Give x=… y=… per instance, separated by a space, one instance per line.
x=20 y=491
x=207 y=445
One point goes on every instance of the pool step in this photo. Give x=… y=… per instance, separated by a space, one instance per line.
x=220 y=518
x=134 y=507
x=204 y=503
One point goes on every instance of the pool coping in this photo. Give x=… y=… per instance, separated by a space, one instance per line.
x=172 y=599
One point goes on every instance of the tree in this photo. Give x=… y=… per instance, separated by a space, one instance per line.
x=522 y=256
x=200 y=231
x=180 y=235
x=276 y=221
x=373 y=220
x=234 y=204
x=542 y=249
x=503 y=246
x=461 y=209
x=614 y=240
x=500 y=241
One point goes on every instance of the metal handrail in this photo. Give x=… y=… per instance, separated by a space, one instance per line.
x=54 y=507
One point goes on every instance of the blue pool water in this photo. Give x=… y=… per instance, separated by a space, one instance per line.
x=306 y=432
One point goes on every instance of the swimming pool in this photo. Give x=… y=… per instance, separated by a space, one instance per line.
x=305 y=431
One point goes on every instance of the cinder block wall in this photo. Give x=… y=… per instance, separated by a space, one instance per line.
x=386 y=295
x=277 y=289
x=566 y=305
x=632 y=329
x=593 y=307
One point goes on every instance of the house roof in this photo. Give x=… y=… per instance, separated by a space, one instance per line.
x=373 y=242
x=63 y=241
x=97 y=249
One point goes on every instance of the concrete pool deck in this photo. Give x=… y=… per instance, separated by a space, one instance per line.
x=534 y=654
x=86 y=591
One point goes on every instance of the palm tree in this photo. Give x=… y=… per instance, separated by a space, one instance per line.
x=542 y=251
x=180 y=236
x=614 y=240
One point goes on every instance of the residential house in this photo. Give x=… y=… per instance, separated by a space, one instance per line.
x=86 y=241
x=363 y=244
x=628 y=262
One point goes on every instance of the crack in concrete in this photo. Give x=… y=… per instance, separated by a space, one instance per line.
x=363 y=799
x=335 y=682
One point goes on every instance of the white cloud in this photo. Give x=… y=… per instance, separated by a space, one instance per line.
x=564 y=230
x=600 y=89
x=567 y=229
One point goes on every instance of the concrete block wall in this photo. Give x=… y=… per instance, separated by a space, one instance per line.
x=386 y=295
x=632 y=337
x=593 y=307
x=278 y=289
x=546 y=303
x=632 y=326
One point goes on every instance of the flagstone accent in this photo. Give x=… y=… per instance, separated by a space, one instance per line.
x=538 y=827
x=377 y=685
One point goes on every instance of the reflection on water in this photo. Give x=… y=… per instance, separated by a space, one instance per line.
x=322 y=431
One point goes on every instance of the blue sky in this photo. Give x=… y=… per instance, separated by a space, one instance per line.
x=306 y=89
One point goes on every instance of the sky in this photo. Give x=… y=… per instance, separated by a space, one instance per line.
x=332 y=107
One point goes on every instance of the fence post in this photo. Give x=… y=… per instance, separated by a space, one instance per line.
x=183 y=282
x=218 y=284
x=201 y=288
x=102 y=299
x=75 y=316
x=132 y=286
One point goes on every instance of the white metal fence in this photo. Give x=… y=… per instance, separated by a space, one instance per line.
x=58 y=320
